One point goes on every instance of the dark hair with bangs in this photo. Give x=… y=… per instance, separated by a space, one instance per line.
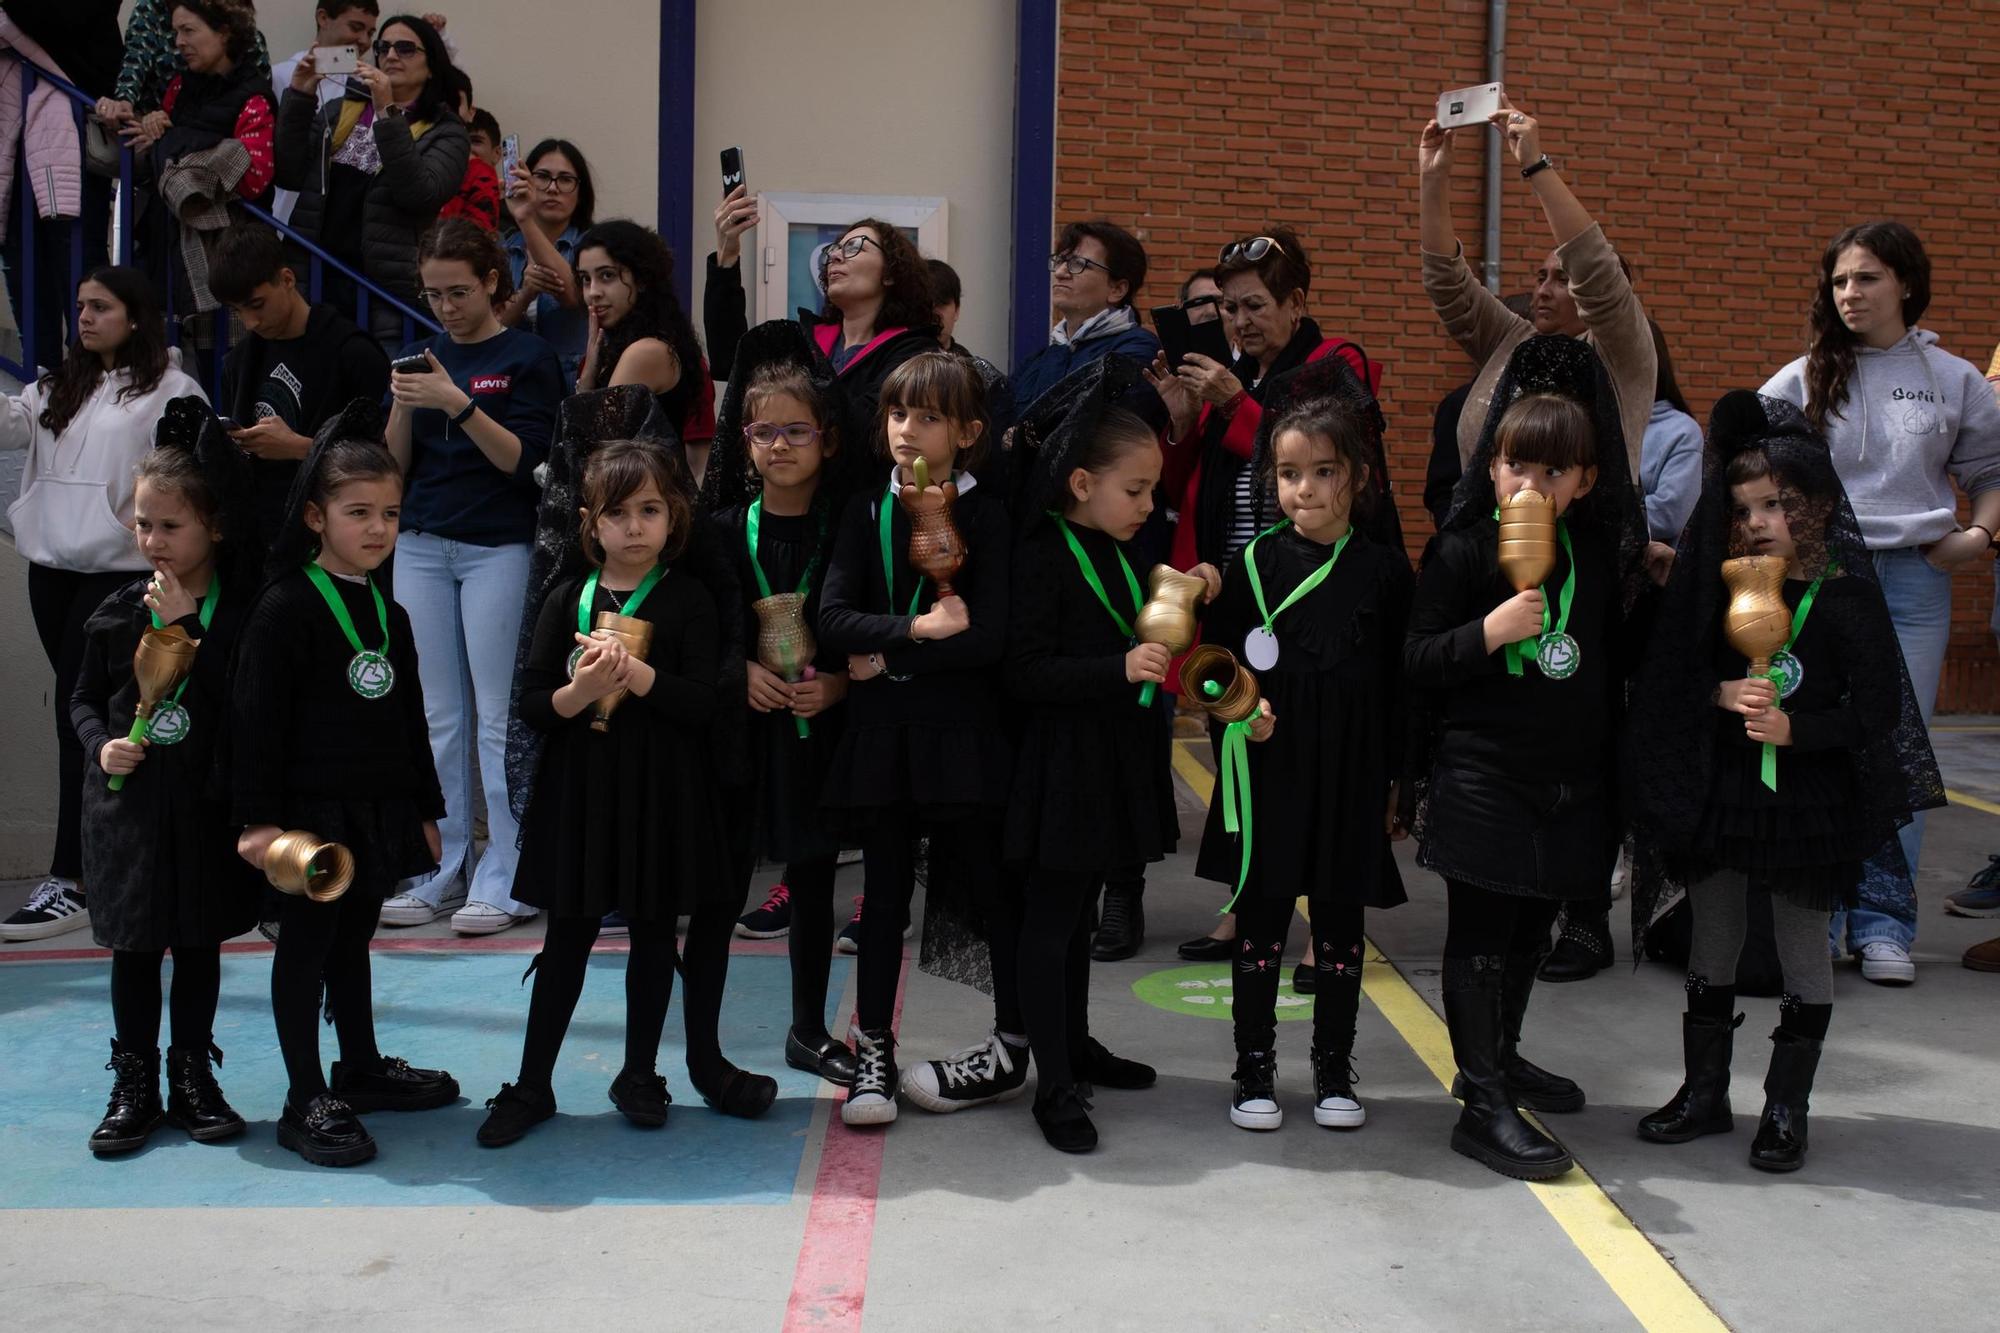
x=1330 y=423
x=615 y=473
x=776 y=379
x=1547 y=429
x=942 y=383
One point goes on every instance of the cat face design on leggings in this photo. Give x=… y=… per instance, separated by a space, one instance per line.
x=1250 y=963
x=1342 y=968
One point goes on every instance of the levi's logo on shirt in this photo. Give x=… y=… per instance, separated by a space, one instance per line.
x=490 y=384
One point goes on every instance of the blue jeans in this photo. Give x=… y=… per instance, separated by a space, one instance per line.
x=465 y=605
x=1919 y=597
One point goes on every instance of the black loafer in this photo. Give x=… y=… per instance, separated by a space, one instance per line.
x=1305 y=979
x=326 y=1133
x=1065 y=1120
x=512 y=1112
x=829 y=1059
x=739 y=1093
x=1099 y=1067
x=1207 y=949
x=393 y=1085
x=641 y=1098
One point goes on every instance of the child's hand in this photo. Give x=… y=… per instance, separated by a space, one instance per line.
x=255 y=841
x=1264 y=723
x=597 y=670
x=433 y=840
x=1659 y=562
x=815 y=695
x=1210 y=575
x=1147 y=662
x=1772 y=726
x=1517 y=618
x=864 y=666
x=167 y=599
x=943 y=620
x=1397 y=829
x=1746 y=696
x=768 y=691
x=120 y=756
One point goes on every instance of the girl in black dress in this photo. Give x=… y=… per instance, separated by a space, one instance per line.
x=1317 y=609
x=1781 y=784
x=1516 y=816
x=328 y=735
x=160 y=854
x=623 y=815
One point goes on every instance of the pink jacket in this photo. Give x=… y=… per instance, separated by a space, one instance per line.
x=55 y=148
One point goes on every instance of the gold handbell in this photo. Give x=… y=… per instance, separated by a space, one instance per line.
x=1758 y=622
x=785 y=647
x=937 y=547
x=637 y=636
x=1222 y=686
x=300 y=864
x=1527 y=539
x=163 y=661
x=1168 y=616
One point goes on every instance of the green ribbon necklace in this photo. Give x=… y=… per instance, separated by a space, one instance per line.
x=1146 y=691
x=752 y=522
x=885 y=522
x=1786 y=672
x=368 y=672
x=170 y=723
x=587 y=598
x=1260 y=646
x=1555 y=652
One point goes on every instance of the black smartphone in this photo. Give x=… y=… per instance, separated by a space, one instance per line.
x=1179 y=336
x=732 y=169
x=416 y=364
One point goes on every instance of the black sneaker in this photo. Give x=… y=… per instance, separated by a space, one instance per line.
x=871 y=1098
x=1334 y=1104
x=194 y=1099
x=393 y=1085
x=1100 y=1067
x=1255 y=1103
x=134 y=1111
x=512 y=1112
x=641 y=1098
x=824 y=1056
x=326 y=1133
x=849 y=939
x=992 y=1071
x=56 y=907
x=1064 y=1117
x=772 y=921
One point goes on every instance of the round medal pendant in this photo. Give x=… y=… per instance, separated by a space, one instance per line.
x=1787 y=673
x=1260 y=649
x=169 y=725
x=575 y=656
x=1557 y=656
x=370 y=675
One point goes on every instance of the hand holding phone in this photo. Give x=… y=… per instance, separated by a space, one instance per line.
x=732 y=169
x=1469 y=106
x=510 y=158
x=335 y=60
x=415 y=364
x=1179 y=336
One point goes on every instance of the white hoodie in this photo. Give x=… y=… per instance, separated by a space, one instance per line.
x=75 y=510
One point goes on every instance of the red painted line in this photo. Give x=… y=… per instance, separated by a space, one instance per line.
x=831 y=1280
x=404 y=944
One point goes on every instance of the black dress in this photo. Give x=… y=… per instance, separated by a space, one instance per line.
x=159 y=857
x=628 y=819
x=926 y=735
x=1320 y=785
x=1518 y=799
x=1093 y=784
x=790 y=769
x=307 y=752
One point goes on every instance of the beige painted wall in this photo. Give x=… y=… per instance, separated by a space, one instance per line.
x=27 y=729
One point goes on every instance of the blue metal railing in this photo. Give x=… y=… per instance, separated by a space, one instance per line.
x=367 y=293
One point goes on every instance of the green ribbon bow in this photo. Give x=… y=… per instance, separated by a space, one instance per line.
x=1236 y=812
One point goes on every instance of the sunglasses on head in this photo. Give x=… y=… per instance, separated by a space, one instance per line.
x=1250 y=249
x=403 y=48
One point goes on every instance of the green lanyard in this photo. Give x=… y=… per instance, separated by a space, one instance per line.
x=1768 y=764
x=324 y=583
x=588 y=597
x=1146 y=691
x=885 y=523
x=1798 y=617
x=214 y=593
x=1306 y=585
x=1564 y=600
x=751 y=523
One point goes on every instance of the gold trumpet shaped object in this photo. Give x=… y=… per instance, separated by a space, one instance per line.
x=1527 y=539
x=301 y=864
x=163 y=661
x=1757 y=622
x=1219 y=684
x=1168 y=616
x=937 y=547
x=637 y=636
x=785 y=646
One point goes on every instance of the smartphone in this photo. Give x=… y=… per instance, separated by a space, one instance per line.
x=1468 y=106
x=510 y=158
x=335 y=60
x=1179 y=336
x=415 y=364
x=732 y=169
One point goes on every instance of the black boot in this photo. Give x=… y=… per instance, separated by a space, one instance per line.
x=1489 y=1130
x=1702 y=1104
x=1529 y=1084
x=325 y=1132
x=1780 y=1144
x=194 y=1099
x=1583 y=948
x=1122 y=929
x=134 y=1110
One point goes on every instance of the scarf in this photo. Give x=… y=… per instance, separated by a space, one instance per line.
x=1110 y=320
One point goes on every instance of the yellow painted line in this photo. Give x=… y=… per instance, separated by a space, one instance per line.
x=1971 y=802
x=1656 y=1293
x=1977 y=729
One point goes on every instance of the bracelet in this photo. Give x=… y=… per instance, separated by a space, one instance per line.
x=1533 y=169
x=1983 y=528
x=471 y=406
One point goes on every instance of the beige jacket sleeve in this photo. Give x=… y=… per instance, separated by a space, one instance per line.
x=1476 y=319
x=1616 y=323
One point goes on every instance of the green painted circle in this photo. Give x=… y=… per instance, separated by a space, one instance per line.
x=1203 y=990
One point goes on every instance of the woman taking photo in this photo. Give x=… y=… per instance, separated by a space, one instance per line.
x=373 y=169
x=468 y=433
x=1904 y=420
x=553 y=203
x=85 y=425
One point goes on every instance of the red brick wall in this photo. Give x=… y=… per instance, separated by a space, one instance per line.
x=1721 y=145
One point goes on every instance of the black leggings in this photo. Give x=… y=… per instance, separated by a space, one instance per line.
x=323 y=945
x=811 y=942
x=1483 y=923
x=1055 y=969
x=559 y=973
x=1261 y=928
x=889 y=868
x=60 y=601
x=135 y=996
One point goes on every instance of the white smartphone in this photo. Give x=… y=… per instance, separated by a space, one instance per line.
x=1468 y=106
x=336 y=60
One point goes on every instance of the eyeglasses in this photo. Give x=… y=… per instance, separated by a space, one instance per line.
x=565 y=183
x=765 y=434
x=1250 y=249
x=455 y=295
x=849 y=248
x=405 y=49
x=1194 y=303
x=1074 y=265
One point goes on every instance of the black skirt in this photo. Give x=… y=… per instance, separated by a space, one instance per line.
x=1535 y=839
x=1093 y=789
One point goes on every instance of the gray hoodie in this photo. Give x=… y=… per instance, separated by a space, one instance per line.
x=1916 y=419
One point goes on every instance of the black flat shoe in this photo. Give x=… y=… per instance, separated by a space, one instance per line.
x=512 y=1112
x=740 y=1093
x=1580 y=954
x=1305 y=979
x=393 y=1085
x=829 y=1059
x=326 y=1133
x=1065 y=1120
x=641 y=1098
x=1099 y=1067
x=1207 y=949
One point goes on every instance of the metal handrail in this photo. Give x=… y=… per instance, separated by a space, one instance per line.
x=82 y=104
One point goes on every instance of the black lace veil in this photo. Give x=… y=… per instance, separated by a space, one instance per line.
x=190 y=426
x=1330 y=377
x=296 y=543
x=1054 y=430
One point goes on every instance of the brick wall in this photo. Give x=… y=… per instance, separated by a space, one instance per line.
x=1721 y=145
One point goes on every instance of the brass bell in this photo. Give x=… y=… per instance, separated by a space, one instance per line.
x=937 y=547
x=300 y=864
x=1757 y=623
x=785 y=646
x=1527 y=539
x=1168 y=617
x=164 y=659
x=637 y=636
x=1219 y=684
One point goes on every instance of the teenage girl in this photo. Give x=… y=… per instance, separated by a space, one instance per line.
x=1317 y=609
x=159 y=854
x=328 y=736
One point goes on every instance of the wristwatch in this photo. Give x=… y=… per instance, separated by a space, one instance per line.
x=1530 y=171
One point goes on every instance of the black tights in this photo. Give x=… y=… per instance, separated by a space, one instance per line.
x=811 y=943
x=559 y=972
x=889 y=867
x=1055 y=969
x=1261 y=927
x=323 y=945
x=135 y=996
x=1483 y=923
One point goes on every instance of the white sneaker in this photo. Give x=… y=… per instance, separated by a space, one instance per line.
x=54 y=908
x=1887 y=963
x=1255 y=1105
x=990 y=1071
x=407 y=909
x=485 y=919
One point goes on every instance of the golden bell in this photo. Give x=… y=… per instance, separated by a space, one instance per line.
x=937 y=547
x=1167 y=618
x=1527 y=539
x=1219 y=684
x=300 y=864
x=1758 y=622
x=637 y=636
x=785 y=647
x=163 y=661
